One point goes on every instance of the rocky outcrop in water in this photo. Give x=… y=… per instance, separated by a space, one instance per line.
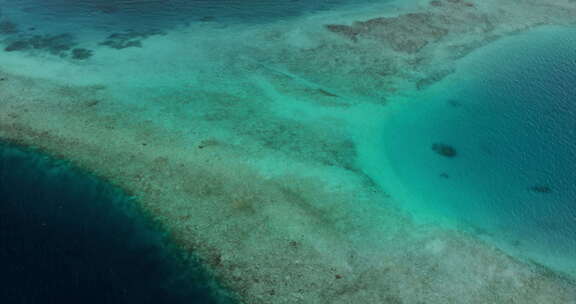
x=59 y=45
x=8 y=27
x=544 y=189
x=128 y=39
x=444 y=150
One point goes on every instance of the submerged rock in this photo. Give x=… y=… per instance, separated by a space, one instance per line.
x=541 y=189
x=18 y=45
x=128 y=39
x=106 y=8
x=81 y=54
x=8 y=27
x=444 y=150
x=54 y=44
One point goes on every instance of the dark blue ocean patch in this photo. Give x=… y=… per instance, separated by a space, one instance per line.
x=68 y=237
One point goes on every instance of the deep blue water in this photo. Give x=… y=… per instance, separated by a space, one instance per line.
x=495 y=146
x=67 y=237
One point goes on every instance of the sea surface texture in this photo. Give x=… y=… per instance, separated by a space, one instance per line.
x=67 y=237
x=496 y=146
x=288 y=152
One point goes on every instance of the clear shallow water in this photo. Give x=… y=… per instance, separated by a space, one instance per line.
x=495 y=146
x=75 y=29
x=66 y=237
x=142 y=14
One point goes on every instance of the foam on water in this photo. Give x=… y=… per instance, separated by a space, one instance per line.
x=495 y=145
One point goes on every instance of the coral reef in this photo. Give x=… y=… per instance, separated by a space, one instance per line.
x=245 y=186
x=81 y=54
x=54 y=44
x=17 y=45
x=444 y=150
x=8 y=27
x=128 y=39
x=540 y=189
x=58 y=45
x=407 y=33
x=107 y=8
x=370 y=59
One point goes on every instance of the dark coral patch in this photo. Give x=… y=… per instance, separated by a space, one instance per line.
x=541 y=189
x=8 y=27
x=444 y=150
x=54 y=44
x=128 y=39
x=107 y=8
x=81 y=54
x=58 y=44
x=407 y=33
x=454 y=103
x=18 y=45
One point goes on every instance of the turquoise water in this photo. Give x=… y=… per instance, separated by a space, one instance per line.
x=495 y=145
x=138 y=14
x=67 y=237
x=492 y=146
x=75 y=29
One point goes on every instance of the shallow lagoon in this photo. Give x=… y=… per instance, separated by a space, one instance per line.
x=139 y=15
x=494 y=145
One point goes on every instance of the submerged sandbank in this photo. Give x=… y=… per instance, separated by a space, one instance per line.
x=254 y=147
